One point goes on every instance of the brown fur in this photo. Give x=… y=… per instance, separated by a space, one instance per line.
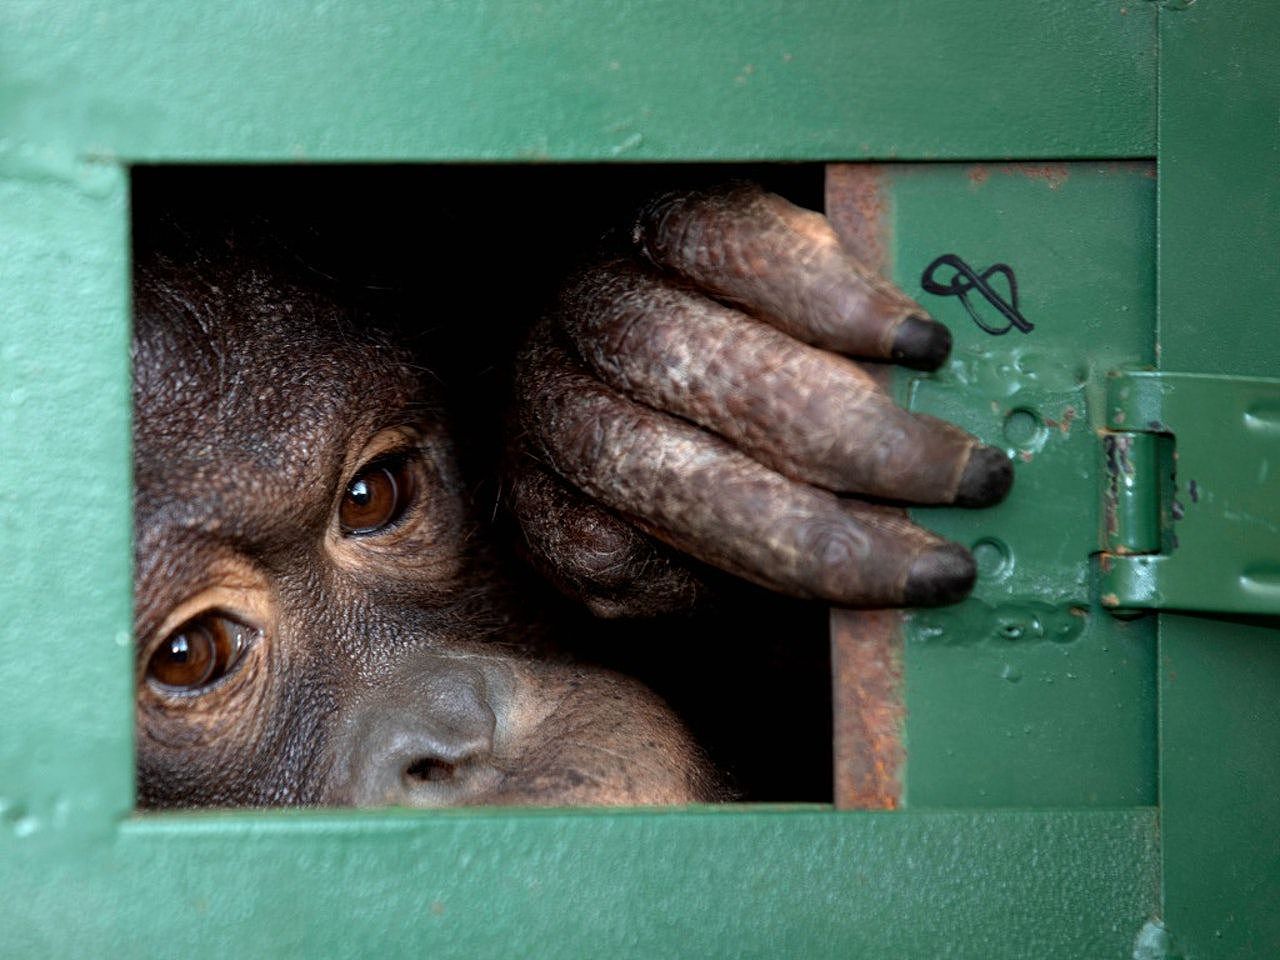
x=256 y=400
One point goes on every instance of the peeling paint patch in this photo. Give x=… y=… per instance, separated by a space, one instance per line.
x=1068 y=417
x=1153 y=942
x=858 y=207
x=1054 y=174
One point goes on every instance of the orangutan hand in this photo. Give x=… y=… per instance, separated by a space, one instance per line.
x=696 y=396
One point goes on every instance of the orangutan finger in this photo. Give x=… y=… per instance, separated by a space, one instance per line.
x=785 y=264
x=697 y=493
x=807 y=413
x=594 y=555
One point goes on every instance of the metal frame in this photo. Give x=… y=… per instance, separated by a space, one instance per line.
x=89 y=88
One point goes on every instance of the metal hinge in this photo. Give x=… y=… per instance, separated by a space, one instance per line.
x=1191 y=493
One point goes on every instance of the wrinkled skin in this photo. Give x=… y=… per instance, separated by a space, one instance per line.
x=652 y=421
x=697 y=389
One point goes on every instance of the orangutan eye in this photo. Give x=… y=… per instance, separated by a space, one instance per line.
x=377 y=496
x=198 y=653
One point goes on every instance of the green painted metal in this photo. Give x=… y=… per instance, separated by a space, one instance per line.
x=1028 y=693
x=66 y=633
x=141 y=80
x=146 y=80
x=1218 y=285
x=1213 y=543
x=82 y=878
x=699 y=883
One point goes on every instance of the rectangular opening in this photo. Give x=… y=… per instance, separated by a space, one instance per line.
x=459 y=261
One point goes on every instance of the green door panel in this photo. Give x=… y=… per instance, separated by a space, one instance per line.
x=699 y=884
x=148 y=80
x=1219 y=286
x=1029 y=692
x=66 y=581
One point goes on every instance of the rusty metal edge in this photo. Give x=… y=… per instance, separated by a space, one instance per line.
x=868 y=708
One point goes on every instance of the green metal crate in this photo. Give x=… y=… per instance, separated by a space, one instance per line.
x=1140 y=812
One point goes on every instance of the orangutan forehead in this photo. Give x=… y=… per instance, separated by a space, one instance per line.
x=248 y=388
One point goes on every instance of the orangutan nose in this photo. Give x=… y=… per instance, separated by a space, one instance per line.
x=428 y=749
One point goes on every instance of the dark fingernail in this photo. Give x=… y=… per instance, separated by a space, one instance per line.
x=986 y=479
x=940 y=575
x=921 y=344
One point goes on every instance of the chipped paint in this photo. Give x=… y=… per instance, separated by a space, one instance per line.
x=1053 y=174
x=1063 y=424
x=858 y=208
x=1153 y=942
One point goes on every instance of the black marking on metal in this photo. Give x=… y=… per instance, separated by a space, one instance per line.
x=965 y=280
